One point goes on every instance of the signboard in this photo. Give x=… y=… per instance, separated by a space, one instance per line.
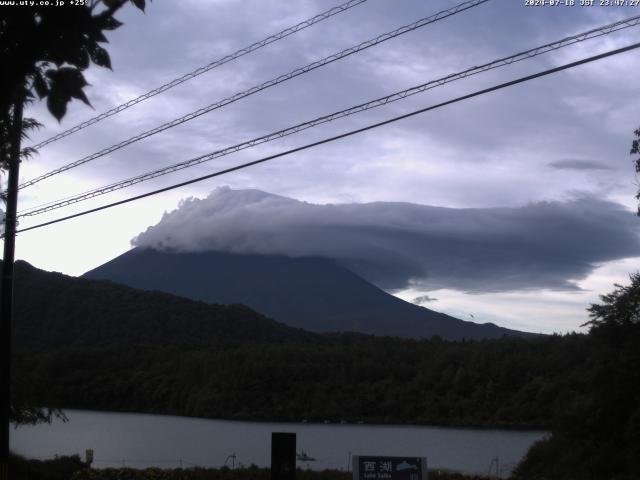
x=389 y=468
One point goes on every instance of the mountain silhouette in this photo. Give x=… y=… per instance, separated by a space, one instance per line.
x=314 y=294
x=53 y=310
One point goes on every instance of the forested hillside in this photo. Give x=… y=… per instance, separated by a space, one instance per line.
x=54 y=310
x=506 y=383
x=585 y=388
x=94 y=345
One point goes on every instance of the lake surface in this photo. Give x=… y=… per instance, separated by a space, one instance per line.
x=138 y=440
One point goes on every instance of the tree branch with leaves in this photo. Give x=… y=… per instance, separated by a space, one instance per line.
x=620 y=307
x=44 y=51
x=48 y=49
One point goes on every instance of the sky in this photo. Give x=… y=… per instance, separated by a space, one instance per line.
x=515 y=207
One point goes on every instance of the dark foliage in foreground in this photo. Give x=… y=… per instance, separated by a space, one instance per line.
x=251 y=473
x=48 y=50
x=600 y=438
x=61 y=468
x=72 y=468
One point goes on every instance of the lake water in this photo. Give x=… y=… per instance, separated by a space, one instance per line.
x=137 y=440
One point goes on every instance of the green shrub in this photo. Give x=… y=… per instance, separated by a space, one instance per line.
x=61 y=468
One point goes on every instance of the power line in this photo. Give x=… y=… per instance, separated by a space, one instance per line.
x=343 y=135
x=199 y=71
x=597 y=32
x=275 y=81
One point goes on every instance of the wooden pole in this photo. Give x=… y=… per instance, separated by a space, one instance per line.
x=6 y=300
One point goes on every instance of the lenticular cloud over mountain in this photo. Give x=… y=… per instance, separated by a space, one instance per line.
x=547 y=245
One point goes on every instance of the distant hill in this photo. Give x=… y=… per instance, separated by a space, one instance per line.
x=90 y=344
x=314 y=294
x=54 y=310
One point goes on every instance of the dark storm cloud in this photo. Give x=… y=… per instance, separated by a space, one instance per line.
x=179 y=37
x=576 y=164
x=541 y=245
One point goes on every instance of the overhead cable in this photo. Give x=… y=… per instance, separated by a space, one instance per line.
x=341 y=136
x=593 y=33
x=275 y=81
x=199 y=71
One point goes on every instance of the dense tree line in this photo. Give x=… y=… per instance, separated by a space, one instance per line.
x=91 y=344
x=96 y=345
x=599 y=438
x=507 y=383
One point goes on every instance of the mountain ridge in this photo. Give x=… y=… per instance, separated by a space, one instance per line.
x=55 y=310
x=312 y=293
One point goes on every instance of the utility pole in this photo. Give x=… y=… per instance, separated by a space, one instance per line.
x=6 y=305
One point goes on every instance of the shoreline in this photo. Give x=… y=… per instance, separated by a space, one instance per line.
x=332 y=423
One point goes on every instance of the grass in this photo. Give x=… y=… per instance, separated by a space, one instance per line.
x=72 y=468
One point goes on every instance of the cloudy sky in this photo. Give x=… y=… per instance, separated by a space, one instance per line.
x=514 y=207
